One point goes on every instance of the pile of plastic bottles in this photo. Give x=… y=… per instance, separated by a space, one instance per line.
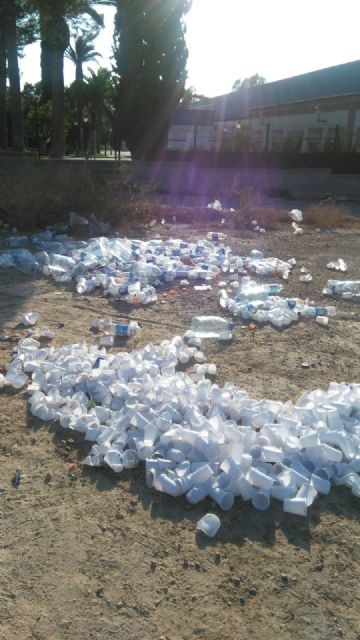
x=122 y=266
x=195 y=437
x=261 y=303
x=346 y=289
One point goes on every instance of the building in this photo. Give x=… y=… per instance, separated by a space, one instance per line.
x=192 y=129
x=312 y=112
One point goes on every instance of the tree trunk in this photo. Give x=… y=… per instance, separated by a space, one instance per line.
x=17 y=126
x=46 y=75
x=3 y=129
x=57 y=145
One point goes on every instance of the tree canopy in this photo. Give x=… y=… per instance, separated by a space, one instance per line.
x=150 y=62
x=252 y=81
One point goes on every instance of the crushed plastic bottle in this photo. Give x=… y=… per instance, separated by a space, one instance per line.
x=337 y=265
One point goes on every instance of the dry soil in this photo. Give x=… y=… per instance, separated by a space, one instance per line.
x=87 y=554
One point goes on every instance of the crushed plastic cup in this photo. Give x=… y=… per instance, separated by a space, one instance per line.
x=296 y=215
x=209 y=525
x=29 y=318
x=337 y=265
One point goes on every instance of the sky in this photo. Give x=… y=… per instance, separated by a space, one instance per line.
x=230 y=39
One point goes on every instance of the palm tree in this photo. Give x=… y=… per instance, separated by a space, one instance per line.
x=54 y=16
x=98 y=92
x=82 y=52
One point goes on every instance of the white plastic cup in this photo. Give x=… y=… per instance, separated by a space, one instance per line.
x=209 y=524
x=261 y=500
x=260 y=479
x=320 y=484
x=322 y=320
x=113 y=460
x=130 y=459
x=296 y=506
x=224 y=499
x=281 y=492
x=307 y=493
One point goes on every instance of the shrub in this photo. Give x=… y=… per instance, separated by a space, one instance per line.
x=34 y=196
x=329 y=214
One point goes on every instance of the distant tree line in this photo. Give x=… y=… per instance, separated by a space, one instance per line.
x=133 y=102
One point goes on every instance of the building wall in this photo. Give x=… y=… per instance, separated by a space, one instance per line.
x=314 y=125
x=191 y=137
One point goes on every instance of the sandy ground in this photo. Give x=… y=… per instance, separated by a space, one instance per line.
x=87 y=554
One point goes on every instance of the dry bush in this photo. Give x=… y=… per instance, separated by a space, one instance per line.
x=33 y=197
x=266 y=217
x=328 y=214
x=124 y=202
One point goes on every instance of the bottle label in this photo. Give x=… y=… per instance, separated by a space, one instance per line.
x=121 y=329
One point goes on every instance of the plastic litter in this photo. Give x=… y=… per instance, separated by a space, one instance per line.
x=75 y=219
x=16 y=478
x=195 y=437
x=298 y=231
x=296 y=215
x=212 y=235
x=215 y=205
x=307 y=277
x=262 y=303
x=211 y=327
x=30 y=318
x=209 y=524
x=346 y=289
x=111 y=328
x=322 y=320
x=337 y=265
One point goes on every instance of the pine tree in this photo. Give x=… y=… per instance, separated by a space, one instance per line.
x=150 y=61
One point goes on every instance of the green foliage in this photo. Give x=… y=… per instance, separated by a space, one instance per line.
x=190 y=97
x=252 y=81
x=83 y=51
x=150 y=61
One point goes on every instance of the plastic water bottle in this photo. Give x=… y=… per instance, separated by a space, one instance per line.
x=123 y=329
x=85 y=286
x=211 y=327
x=259 y=292
x=101 y=323
x=212 y=235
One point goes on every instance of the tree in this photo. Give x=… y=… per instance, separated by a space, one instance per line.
x=37 y=117
x=190 y=97
x=55 y=34
x=3 y=127
x=18 y=27
x=98 y=94
x=150 y=61
x=252 y=81
x=83 y=51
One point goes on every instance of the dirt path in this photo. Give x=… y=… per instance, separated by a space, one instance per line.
x=87 y=554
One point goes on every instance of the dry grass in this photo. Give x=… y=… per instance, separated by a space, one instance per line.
x=34 y=197
x=329 y=215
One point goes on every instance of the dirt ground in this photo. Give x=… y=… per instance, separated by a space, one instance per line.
x=88 y=554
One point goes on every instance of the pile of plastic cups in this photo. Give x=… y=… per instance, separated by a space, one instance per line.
x=194 y=437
